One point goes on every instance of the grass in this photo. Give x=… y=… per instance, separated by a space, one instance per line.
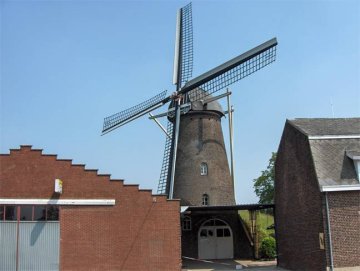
x=263 y=221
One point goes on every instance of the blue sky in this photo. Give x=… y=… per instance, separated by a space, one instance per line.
x=65 y=65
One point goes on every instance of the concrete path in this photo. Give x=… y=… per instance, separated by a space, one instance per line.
x=227 y=265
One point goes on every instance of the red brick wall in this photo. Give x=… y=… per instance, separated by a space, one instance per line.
x=141 y=232
x=345 y=227
x=298 y=201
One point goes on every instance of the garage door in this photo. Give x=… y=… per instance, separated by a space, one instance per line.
x=29 y=238
x=215 y=240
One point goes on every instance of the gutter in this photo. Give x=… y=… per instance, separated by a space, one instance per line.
x=90 y=202
x=319 y=137
x=338 y=188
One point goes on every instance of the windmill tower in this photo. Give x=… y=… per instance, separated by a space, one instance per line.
x=195 y=167
x=202 y=169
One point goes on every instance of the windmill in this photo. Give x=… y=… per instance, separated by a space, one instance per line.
x=193 y=96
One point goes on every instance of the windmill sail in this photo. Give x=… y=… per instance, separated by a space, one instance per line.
x=183 y=60
x=163 y=186
x=233 y=70
x=114 y=121
x=183 y=65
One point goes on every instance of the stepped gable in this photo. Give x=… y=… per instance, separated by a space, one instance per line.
x=26 y=159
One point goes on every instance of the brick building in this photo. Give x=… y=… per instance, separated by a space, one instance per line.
x=317 y=194
x=97 y=223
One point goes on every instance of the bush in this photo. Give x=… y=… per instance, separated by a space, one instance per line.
x=268 y=248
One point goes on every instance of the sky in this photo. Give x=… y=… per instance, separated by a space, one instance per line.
x=65 y=65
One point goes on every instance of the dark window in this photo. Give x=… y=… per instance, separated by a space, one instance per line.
x=220 y=232
x=203 y=233
x=210 y=233
x=10 y=212
x=40 y=213
x=2 y=212
x=29 y=212
x=219 y=223
x=205 y=200
x=52 y=213
x=186 y=223
x=26 y=213
x=227 y=233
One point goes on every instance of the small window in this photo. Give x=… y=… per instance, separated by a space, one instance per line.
x=220 y=232
x=218 y=222
x=227 y=233
x=186 y=223
x=203 y=233
x=2 y=212
x=26 y=213
x=203 y=169
x=205 y=200
x=52 y=213
x=29 y=213
x=40 y=213
x=10 y=213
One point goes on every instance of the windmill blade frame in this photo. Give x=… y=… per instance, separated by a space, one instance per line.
x=163 y=185
x=183 y=64
x=121 y=118
x=183 y=59
x=233 y=70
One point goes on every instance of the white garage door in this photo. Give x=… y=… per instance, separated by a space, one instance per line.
x=215 y=240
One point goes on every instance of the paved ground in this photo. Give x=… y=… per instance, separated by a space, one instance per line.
x=227 y=265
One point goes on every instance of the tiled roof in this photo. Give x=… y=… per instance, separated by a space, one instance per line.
x=327 y=126
x=332 y=164
x=331 y=155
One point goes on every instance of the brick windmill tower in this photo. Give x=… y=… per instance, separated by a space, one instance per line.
x=195 y=167
x=202 y=170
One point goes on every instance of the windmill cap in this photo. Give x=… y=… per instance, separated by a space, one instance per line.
x=197 y=97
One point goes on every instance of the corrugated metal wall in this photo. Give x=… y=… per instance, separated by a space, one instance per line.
x=7 y=246
x=39 y=246
x=38 y=243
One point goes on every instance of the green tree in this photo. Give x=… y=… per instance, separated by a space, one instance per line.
x=264 y=185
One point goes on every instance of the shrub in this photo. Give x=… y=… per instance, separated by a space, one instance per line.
x=268 y=247
x=262 y=233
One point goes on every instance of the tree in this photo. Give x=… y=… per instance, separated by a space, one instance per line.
x=264 y=185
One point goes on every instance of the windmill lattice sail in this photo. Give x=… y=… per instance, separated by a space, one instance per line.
x=163 y=180
x=183 y=61
x=186 y=44
x=123 y=117
x=234 y=70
